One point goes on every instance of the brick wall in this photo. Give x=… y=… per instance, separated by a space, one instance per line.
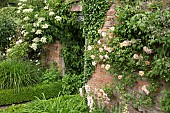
x=54 y=55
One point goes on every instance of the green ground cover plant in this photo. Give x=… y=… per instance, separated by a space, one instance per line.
x=62 y=104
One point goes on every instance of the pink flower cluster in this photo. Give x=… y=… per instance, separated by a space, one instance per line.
x=99 y=95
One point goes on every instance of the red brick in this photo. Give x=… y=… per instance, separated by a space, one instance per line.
x=76 y=8
x=110 y=13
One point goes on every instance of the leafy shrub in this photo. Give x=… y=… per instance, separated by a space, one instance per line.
x=63 y=104
x=18 y=73
x=18 y=51
x=7 y=29
x=52 y=74
x=72 y=83
x=11 y=96
x=165 y=101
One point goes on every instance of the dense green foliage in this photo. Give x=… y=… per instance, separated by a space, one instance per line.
x=62 y=104
x=137 y=50
x=52 y=74
x=17 y=73
x=5 y=3
x=7 y=31
x=71 y=84
x=165 y=101
x=94 y=12
x=11 y=96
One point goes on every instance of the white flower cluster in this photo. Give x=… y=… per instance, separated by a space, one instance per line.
x=27 y=10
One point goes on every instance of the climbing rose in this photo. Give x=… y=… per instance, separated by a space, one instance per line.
x=100 y=49
x=93 y=63
x=89 y=48
x=92 y=57
x=141 y=73
x=120 y=77
x=145 y=89
x=107 y=67
x=147 y=62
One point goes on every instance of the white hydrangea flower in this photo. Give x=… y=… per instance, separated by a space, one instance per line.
x=19 y=3
x=22 y=0
x=27 y=10
x=40 y=19
x=45 y=26
x=36 y=39
x=46 y=7
x=34 y=46
x=33 y=30
x=51 y=13
x=36 y=15
x=43 y=40
x=100 y=49
x=20 y=40
x=26 y=18
x=19 y=11
x=20 y=7
x=8 y=50
x=58 y=18
x=38 y=32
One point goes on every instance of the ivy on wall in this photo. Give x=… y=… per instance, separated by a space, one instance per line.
x=94 y=12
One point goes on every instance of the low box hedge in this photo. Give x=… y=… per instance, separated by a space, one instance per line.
x=12 y=96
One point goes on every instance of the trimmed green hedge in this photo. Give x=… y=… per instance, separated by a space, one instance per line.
x=11 y=96
x=62 y=104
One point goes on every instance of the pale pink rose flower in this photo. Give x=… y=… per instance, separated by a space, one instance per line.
x=102 y=66
x=145 y=48
x=99 y=42
x=106 y=56
x=145 y=89
x=141 y=73
x=94 y=63
x=103 y=34
x=101 y=57
x=100 y=49
x=126 y=43
x=92 y=57
x=89 y=48
x=120 y=77
x=147 y=62
x=107 y=67
x=90 y=102
x=87 y=88
x=136 y=56
x=109 y=49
